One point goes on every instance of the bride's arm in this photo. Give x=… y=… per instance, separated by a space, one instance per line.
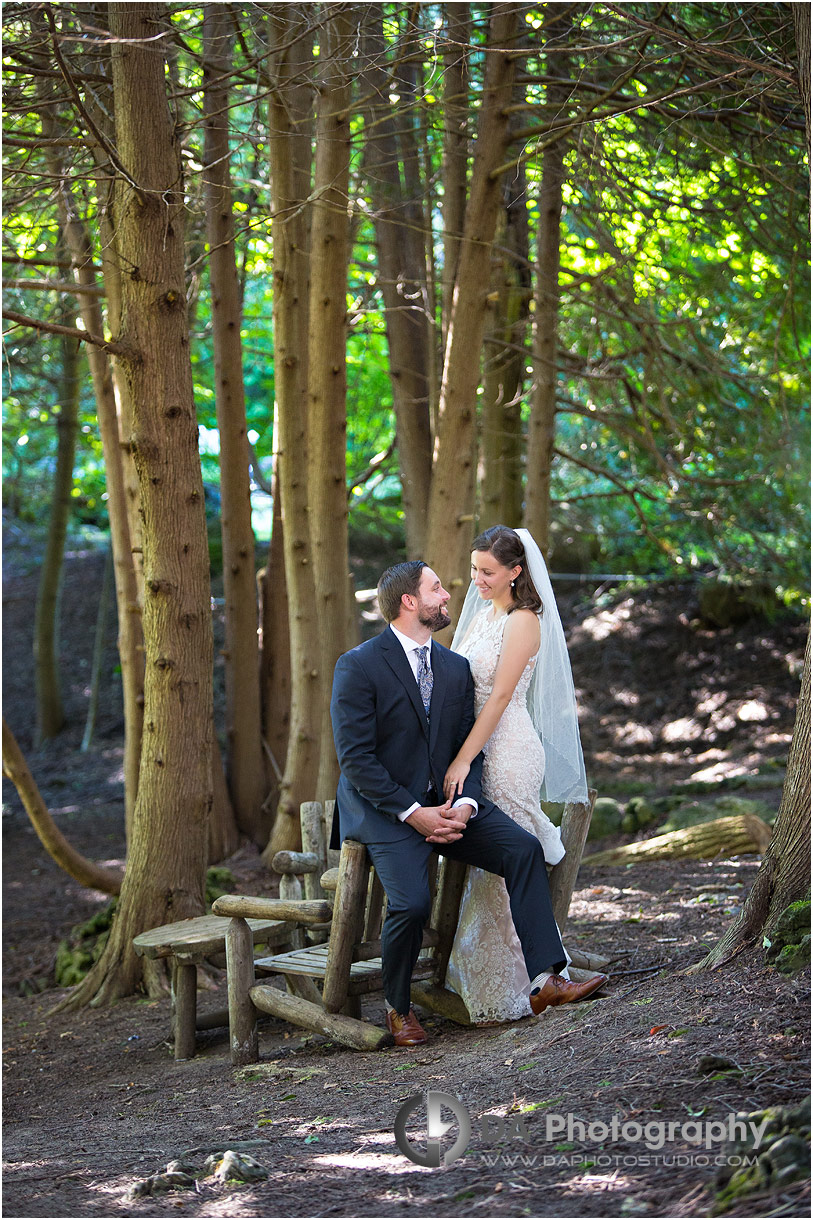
x=520 y=643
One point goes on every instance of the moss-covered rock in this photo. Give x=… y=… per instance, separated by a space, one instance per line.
x=84 y=946
x=219 y=881
x=788 y=944
x=639 y=813
x=729 y=806
x=694 y=813
x=770 y=1161
x=607 y=818
x=87 y=940
x=71 y=965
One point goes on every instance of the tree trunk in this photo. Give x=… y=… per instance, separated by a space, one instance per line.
x=223 y=835
x=501 y=429
x=275 y=681
x=50 y=710
x=402 y=277
x=244 y=758
x=59 y=849
x=101 y=104
x=128 y=601
x=457 y=32
x=784 y=875
x=542 y=418
x=327 y=374
x=451 y=504
x=164 y=881
x=291 y=40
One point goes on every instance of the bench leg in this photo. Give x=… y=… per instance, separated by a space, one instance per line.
x=245 y=1047
x=185 y=994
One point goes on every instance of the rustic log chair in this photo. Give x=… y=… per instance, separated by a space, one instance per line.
x=349 y=965
x=188 y=943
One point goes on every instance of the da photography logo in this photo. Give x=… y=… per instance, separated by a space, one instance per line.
x=431 y=1154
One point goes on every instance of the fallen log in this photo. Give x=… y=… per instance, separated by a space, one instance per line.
x=359 y=1035
x=95 y=876
x=733 y=836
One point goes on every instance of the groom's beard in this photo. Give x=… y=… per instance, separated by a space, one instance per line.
x=435 y=619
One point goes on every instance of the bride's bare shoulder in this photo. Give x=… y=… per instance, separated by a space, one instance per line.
x=523 y=625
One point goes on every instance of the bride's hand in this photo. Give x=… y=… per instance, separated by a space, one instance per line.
x=455 y=778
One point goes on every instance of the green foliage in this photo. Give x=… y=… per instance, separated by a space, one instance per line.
x=683 y=348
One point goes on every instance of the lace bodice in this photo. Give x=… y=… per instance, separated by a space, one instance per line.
x=482 y=648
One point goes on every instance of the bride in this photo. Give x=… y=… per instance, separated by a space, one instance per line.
x=527 y=727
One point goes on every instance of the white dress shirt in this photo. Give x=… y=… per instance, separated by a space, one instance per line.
x=411 y=649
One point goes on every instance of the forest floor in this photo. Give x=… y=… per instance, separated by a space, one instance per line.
x=93 y=1100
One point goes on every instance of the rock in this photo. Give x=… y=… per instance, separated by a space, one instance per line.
x=781 y=1157
x=707 y=1065
x=786 y=1159
x=794 y=957
x=607 y=818
x=697 y=812
x=731 y=805
x=787 y=946
x=71 y=964
x=639 y=813
x=236 y=1167
x=159 y=1183
x=182 y=1166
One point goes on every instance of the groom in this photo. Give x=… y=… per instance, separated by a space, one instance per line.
x=401 y=708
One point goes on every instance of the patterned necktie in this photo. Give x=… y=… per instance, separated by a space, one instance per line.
x=425 y=679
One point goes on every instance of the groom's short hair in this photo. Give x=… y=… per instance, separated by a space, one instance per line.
x=401 y=578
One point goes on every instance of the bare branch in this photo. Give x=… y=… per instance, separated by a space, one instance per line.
x=72 y=332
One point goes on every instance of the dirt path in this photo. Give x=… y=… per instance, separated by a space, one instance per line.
x=94 y=1100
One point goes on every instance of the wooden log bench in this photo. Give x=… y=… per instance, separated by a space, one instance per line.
x=324 y=982
x=188 y=943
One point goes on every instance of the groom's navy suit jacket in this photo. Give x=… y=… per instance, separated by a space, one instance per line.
x=389 y=754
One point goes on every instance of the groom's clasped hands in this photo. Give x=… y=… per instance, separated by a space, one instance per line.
x=440 y=823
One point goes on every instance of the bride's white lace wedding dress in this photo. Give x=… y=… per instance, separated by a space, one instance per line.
x=486 y=967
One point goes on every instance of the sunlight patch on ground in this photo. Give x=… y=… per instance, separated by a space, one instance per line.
x=633 y=734
x=686 y=728
x=366 y=1159
x=753 y=710
x=599 y=626
x=720 y=770
x=628 y=698
x=605 y=1182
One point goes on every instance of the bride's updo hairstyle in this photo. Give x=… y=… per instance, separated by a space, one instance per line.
x=506 y=546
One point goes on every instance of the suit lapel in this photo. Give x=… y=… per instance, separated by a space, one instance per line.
x=395 y=657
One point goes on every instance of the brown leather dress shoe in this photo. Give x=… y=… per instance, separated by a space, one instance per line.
x=561 y=991
x=406 y=1030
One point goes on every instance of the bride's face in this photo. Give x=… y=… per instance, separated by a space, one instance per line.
x=492 y=579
